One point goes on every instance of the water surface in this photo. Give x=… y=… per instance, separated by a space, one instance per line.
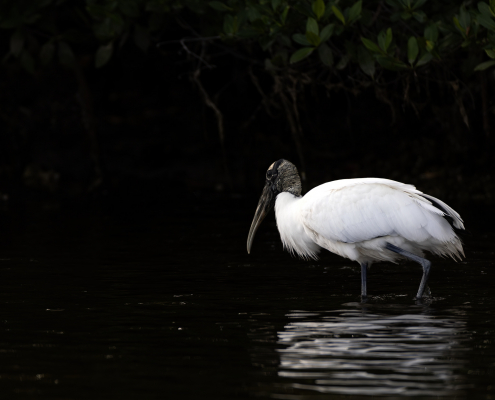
x=165 y=303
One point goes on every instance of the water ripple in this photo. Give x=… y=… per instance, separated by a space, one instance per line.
x=362 y=351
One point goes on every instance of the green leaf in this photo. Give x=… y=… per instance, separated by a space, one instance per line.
x=490 y=53
x=485 y=9
x=301 y=54
x=328 y=10
x=301 y=39
x=252 y=14
x=366 y=61
x=386 y=63
x=484 y=65
x=430 y=45
x=448 y=42
x=431 y=33
x=266 y=42
x=458 y=25
x=229 y=24
x=412 y=49
x=338 y=14
x=65 y=55
x=326 y=55
x=418 y=4
x=312 y=38
x=219 y=6
x=312 y=26
x=16 y=42
x=241 y=17
x=486 y=22
x=283 y=18
x=326 y=32
x=371 y=45
x=384 y=39
x=355 y=11
x=276 y=4
x=46 y=53
x=388 y=38
x=391 y=63
x=381 y=39
x=492 y=6
x=464 y=18
x=420 y=16
x=319 y=8
x=343 y=62
x=425 y=59
x=103 y=54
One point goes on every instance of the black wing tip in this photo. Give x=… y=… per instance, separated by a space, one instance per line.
x=447 y=216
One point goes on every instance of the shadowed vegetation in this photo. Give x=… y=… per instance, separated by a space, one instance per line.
x=101 y=95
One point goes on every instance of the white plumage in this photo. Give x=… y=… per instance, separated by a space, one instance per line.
x=355 y=218
x=365 y=220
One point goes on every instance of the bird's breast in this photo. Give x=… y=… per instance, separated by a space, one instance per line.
x=290 y=226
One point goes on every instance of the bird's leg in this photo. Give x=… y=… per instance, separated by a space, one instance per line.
x=422 y=261
x=364 y=270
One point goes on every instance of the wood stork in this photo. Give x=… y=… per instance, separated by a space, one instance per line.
x=365 y=220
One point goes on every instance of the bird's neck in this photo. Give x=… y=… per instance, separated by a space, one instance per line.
x=286 y=208
x=288 y=215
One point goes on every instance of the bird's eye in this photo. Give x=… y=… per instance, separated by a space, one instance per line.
x=270 y=174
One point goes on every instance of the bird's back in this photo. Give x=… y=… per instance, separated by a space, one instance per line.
x=356 y=217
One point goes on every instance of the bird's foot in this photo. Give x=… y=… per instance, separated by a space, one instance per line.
x=426 y=296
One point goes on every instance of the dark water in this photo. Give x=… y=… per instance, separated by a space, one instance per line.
x=165 y=303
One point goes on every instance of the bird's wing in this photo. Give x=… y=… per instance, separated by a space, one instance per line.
x=356 y=210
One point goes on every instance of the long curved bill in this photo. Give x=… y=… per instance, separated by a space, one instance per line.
x=264 y=206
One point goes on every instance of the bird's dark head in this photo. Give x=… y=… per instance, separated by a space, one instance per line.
x=282 y=176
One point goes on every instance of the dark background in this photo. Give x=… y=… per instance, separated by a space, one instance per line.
x=124 y=215
x=139 y=128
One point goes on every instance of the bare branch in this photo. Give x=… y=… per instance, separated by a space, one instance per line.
x=200 y=58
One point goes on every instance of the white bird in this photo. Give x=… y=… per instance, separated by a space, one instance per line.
x=365 y=220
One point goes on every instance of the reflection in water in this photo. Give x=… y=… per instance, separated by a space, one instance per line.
x=370 y=351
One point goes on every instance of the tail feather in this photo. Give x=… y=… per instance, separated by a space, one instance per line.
x=452 y=248
x=450 y=214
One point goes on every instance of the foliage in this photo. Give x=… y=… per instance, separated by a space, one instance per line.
x=288 y=49
x=44 y=30
x=393 y=35
x=336 y=44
